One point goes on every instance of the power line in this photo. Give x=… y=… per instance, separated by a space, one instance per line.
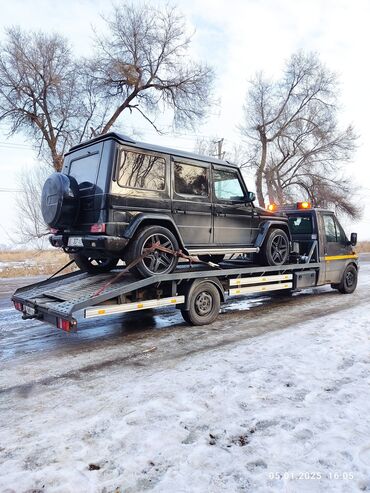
x=11 y=190
x=14 y=143
x=16 y=146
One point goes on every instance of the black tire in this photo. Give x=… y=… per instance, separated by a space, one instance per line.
x=216 y=259
x=349 y=280
x=60 y=201
x=275 y=249
x=204 y=305
x=157 y=262
x=94 y=265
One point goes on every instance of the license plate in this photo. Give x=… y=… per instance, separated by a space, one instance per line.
x=29 y=310
x=75 y=241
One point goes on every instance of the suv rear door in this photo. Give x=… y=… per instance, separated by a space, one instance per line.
x=191 y=201
x=84 y=166
x=232 y=217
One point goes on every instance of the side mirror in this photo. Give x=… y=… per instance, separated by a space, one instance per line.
x=251 y=197
x=353 y=239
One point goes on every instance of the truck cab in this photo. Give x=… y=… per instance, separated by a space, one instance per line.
x=335 y=250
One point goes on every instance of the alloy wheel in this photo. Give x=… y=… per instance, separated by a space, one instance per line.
x=158 y=262
x=279 y=249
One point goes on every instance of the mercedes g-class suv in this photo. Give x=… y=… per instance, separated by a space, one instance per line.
x=115 y=198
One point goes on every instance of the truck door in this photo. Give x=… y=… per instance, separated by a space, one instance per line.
x=335 y=247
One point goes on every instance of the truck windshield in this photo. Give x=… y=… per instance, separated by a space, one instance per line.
x=301 y=225
x=85 y=169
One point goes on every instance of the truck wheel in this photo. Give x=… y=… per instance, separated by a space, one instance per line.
x=204 y=305
x=275 y=249
x=349 y=280
x=216 y=259
x=156 y=262
x=94 y=265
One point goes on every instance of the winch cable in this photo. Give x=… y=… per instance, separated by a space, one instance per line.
x=60 y=270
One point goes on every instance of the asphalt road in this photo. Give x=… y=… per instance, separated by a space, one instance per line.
x=33 y=353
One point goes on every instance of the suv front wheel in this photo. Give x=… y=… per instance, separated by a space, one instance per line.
x=275 y=249
x=156 y=262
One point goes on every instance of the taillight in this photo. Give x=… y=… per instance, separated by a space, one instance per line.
x=64 y=324
x=98 y=228
x=18 y=306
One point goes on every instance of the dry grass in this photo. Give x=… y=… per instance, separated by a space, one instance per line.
x=21 y=263
x=363 y=246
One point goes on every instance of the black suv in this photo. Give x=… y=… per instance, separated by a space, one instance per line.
x=116 y=197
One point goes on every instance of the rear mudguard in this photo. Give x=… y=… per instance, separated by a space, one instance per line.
x=186 y=289
x=265 y=227
x=153 y=219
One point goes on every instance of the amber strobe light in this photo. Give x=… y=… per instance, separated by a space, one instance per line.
x=303 y=205
x=272 y=207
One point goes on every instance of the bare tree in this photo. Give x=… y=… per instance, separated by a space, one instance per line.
x=206 y=146
x=31 y=228
x=233 y=153
x=295 y=143
x=45 y=94
x=143 y=65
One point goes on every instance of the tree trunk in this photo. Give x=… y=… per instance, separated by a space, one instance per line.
x=269 y=178
x=58 y=162
x=260 y=171
x=259 y=191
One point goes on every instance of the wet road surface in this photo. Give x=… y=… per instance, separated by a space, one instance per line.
x=33 y=353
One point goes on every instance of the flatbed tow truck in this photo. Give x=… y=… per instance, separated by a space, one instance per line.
x=321 y=254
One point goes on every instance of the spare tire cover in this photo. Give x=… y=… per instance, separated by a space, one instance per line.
x=59 y=200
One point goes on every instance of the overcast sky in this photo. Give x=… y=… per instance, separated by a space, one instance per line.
x=237 y=37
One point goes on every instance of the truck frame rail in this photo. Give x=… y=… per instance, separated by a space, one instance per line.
x=56 y=300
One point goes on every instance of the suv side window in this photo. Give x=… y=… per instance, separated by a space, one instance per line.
x=333 y=231
x=227 y=185
x=143 y=171
x=191 y=179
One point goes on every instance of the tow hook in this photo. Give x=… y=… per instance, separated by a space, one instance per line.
x=28 y=316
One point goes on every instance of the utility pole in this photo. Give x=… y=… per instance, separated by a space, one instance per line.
x=220 y=153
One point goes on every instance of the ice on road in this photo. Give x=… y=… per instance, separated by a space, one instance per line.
x=287 y=410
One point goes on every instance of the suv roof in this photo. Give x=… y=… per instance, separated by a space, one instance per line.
x=123 y=139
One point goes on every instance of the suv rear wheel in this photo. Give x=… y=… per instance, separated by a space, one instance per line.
x=275 y=249
x=94 y=265
x=156 y=262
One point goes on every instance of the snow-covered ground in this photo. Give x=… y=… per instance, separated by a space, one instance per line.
x=286 y=409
